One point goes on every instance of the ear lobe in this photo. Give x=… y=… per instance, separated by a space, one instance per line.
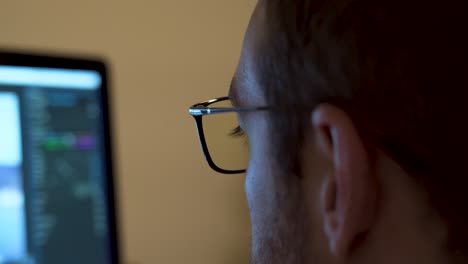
x=348 y=194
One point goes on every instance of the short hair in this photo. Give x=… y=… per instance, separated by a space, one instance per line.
x=399 y=68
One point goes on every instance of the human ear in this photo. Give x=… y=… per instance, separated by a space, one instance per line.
x=348 y=195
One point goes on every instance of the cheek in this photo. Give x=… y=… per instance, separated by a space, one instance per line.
x=258 y=189
x=256 y=185
x=259 y=184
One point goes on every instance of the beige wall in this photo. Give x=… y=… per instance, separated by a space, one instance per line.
x=165 y=55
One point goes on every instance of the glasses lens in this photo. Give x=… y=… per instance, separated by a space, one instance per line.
x=227 y=145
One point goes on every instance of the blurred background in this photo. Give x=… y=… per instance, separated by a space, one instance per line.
x=164 y=56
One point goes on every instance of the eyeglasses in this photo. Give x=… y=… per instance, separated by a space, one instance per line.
x=226 y=148
x=224 y=144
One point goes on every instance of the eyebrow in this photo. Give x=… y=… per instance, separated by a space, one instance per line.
x=233 y=93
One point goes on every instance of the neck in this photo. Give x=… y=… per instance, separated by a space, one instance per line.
x=408 y=229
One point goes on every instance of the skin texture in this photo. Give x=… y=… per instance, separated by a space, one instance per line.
x=347 y=206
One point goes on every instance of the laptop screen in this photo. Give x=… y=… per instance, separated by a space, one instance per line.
x=56 y=196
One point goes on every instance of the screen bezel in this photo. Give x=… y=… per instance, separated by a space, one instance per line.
x=30 y=59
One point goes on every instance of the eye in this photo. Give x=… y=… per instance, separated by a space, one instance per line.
x=237 y=132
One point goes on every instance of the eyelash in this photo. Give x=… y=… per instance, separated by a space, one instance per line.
x=237 y=132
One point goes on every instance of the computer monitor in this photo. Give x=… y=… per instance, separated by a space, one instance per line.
x=56 y=181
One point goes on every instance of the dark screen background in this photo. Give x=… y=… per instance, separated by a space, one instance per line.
x=63 y=175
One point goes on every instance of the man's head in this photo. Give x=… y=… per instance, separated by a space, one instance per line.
x=366 y=160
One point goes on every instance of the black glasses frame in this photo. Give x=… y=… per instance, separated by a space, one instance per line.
x=201 y=109
x=410 y=161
